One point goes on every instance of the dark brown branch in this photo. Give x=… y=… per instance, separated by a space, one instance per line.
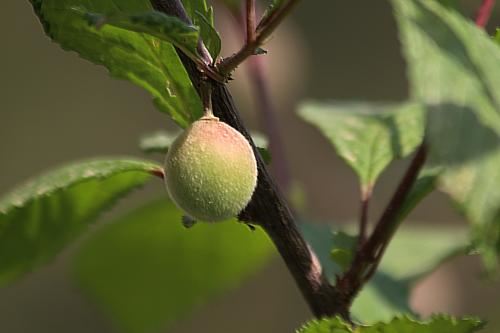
x=265 y=28
x=267 y=208
x=368 y=257
x=484 y=13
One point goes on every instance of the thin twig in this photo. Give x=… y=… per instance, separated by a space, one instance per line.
x=250 y=19
x=267 y=113
x=263 y=30
x=267 y=207
x=270 y=123
x=484 y=13
x=368 y=257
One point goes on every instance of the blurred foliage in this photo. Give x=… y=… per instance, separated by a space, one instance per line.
x=147 y=271
x=437 y=324
x=413 y=254
x=453 y=69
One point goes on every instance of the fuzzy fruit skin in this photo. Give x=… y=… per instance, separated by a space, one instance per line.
x=210 y=171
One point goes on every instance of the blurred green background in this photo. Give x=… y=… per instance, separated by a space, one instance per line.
x=55 y=108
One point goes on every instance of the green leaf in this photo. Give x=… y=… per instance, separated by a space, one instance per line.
x=273 y=8
x=146 y=270
x=497 y=36
x=209 y=35
x=437 y=324
x=453 y=68
x=202 y=15
x=368 y=136
x=145 y=60
x=40 y=217
x=167 y=28
x=412 y=254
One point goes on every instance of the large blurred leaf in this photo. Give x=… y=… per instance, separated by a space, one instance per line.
x=437 y=324
x=40 y=217
x=454 y=68
x=413 y=253
x=368 y=136
x=144 y=60
x=146 y=270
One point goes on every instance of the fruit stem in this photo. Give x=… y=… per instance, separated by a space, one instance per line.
x=206 y=98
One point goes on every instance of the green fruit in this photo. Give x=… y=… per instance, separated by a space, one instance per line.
x=210 y=171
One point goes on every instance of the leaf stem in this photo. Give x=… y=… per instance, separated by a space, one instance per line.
x=264 y=29
x=366 y=194
x=484 y=13
x=157 y=172
x=368 y=257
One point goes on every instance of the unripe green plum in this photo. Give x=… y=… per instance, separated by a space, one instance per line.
x=210 y=171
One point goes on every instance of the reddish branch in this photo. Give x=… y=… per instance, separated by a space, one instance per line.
x=265 y=108
x=484 y=13
x=366 y=194
x=370 y=253
x=265 y=28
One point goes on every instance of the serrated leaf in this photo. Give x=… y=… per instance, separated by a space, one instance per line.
x=167 y=28
x=368 y=136
x=147 y=61
x=40 y=217
x=146 y=270
x=437 y=324
x=453 y=68
x=412 y=254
